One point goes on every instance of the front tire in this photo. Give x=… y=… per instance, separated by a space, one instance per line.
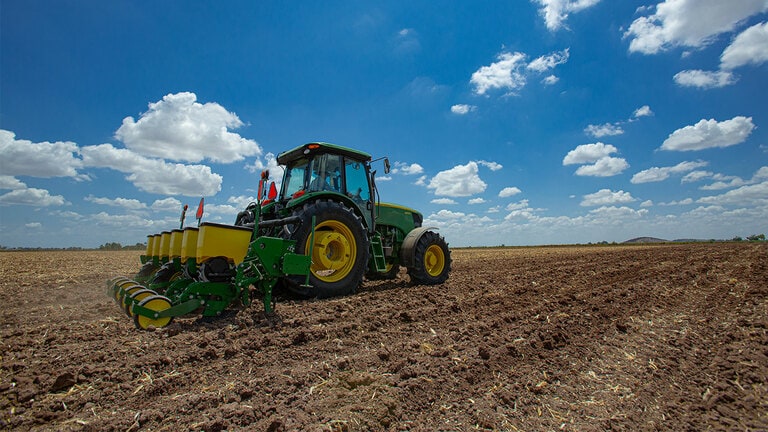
x=432 y=260
x=339 y=253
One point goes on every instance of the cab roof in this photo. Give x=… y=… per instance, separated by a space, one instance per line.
x=314 y=148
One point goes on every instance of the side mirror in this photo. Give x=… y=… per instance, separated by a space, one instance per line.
x=386 y=166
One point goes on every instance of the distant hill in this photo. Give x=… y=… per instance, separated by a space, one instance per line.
x=646 y=240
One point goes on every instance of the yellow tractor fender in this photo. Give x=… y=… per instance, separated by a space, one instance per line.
x=408 y=250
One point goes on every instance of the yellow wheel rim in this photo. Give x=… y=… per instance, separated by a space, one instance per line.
x=120 y=287
x=334 y=252
x=157 y=304
x=434 y=260
x=127 y=293
x=137 y=297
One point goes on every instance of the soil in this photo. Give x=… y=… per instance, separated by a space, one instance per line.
x=662 y=337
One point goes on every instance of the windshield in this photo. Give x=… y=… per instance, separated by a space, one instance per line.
x=294 y=178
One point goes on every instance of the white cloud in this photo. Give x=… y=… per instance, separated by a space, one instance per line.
x=509 y=191
x=459 y=181
x=746 y=195
x=643 y=111
x=607 y=129
x=657 y=174
x=45 y=159
x=493 y=166
x=462 y=109
x=724 y=184
x=505 y=73
x=550 y=80
x=687 y=201
x=606 y=197
x=710 y=134
x=704 y=79
x=407 y=169
x=126 y=203
x=510 y=71
x=180 y=128
x=443 y=201
x=475 y=201
x=33 y=225
x=547 y=62
x=10 y=182
x=749 y=47
x=695 y=176
x=407 y=41
x=597 y=156
x=555 y=12
x=153 y=175
x=169 y=205
x=646 y=203
x=604 y=167
x=31 y=197
x=689 y=23
x=587 y=153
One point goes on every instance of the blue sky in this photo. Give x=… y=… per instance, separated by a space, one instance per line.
x=507 y=122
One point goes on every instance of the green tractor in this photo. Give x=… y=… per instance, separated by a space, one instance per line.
x=319 y=236
x=355 y=235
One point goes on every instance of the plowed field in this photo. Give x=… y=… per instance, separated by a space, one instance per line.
x=670 y=337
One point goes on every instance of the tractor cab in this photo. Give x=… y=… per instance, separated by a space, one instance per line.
x=322 y=168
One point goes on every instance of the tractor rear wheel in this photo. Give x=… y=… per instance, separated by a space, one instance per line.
x=339 y=252
x=432 y=260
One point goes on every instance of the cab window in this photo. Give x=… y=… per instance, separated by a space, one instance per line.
x=357 y=181
x=295 y=178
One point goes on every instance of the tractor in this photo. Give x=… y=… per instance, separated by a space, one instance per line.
x=319 y=237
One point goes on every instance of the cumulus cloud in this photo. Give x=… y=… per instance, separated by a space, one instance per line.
x=493 y=166
x=475 y=201
x=688 y=23
x=643 y=111
x=44 y=159
x=126 y=203
x=710 y=134
x=181 y=129
x=9 y=182
x=606 y=197
x=407 y=169
x=154 y=175
x=587 y=153
x=509 y=191
x=607 y=129
x=462 y=109
x=550 y=80
x=657 y=174
x=443 y=201
x=459 y=181
x=597 y=158
x=555 y=12
x=510 y=71
x=749 y=195
x=549 y=61
x=167 y=205
x=505 y=73
x=603 y=167
x=749 y=47
x=31 y=197
x=704 y=79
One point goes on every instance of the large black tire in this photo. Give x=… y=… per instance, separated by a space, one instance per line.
x=432 y=260
x=340 y=252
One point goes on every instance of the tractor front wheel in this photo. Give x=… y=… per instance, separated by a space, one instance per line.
x=339 y=249
x=432 y=260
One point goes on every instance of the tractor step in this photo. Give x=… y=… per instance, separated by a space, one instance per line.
x=377 y=250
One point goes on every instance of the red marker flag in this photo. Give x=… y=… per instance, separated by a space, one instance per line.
x=199 y=214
